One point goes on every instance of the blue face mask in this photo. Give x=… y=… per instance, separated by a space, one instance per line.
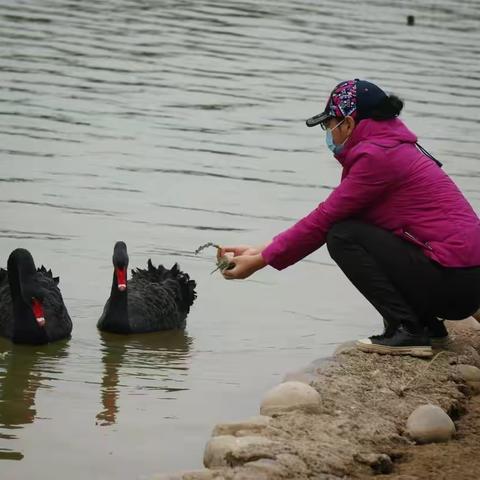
x=332 y=146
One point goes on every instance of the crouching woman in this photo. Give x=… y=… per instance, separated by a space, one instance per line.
x=397 y=225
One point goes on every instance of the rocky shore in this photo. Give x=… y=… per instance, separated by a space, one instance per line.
x=357 y=415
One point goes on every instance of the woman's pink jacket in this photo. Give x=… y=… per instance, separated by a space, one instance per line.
x=388 y=182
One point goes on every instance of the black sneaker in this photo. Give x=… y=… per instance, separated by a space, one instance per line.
x=389 y=328
x=438 y=334
x=401 y=342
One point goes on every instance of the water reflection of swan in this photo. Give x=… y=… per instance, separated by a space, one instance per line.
x=23 y=370
x=159 y=356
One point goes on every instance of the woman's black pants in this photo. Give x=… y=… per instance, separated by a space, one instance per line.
x=399 y=280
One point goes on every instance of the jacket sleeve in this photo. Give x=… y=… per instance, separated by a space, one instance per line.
x=368 y=179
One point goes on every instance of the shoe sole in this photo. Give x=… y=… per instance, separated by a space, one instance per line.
x=438 y=343
x=422 y=352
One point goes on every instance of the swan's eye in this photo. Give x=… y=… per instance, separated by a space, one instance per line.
x=121 y=273
x=37 y=309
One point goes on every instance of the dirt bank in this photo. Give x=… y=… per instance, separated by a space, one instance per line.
x=357 y=430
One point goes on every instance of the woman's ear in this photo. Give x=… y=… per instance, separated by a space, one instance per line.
x=350 y=124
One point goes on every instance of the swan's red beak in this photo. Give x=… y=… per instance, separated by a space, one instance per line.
x=121 y=278
x=37 y=309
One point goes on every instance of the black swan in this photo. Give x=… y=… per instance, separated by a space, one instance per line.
x=154 y=299
x=31 y=305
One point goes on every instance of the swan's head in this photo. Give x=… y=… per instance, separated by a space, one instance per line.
x=120 y=264
x=31 y=292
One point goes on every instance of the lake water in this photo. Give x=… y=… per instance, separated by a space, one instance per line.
x=169 y=124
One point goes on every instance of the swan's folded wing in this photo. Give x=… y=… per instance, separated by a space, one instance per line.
x=152 y=307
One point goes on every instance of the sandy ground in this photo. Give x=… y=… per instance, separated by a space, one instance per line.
x=365 y=402
x=458 y=459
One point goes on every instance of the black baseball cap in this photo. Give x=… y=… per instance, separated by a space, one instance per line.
x=357 y=98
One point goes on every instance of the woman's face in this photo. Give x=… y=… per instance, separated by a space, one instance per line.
x=344 y=129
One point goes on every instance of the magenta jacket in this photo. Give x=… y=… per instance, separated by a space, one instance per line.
x=388 y=182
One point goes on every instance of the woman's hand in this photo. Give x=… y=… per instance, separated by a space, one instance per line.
x=245 y=265
x=238 y=250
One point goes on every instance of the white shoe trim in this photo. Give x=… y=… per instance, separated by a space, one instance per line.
x=364 y=341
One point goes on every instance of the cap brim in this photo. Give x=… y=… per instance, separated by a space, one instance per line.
x=317 y=119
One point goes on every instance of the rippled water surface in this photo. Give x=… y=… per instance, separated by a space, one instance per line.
x=169 y=124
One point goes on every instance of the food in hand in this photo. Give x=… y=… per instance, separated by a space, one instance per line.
x=223 y=261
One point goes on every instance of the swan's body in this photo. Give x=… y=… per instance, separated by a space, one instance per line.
x=31 y=305
x=154 y=299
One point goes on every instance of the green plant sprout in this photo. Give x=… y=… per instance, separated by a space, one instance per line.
x=223 y=262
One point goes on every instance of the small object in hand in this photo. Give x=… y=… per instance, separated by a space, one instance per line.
x=206 y=245
x=223 y=262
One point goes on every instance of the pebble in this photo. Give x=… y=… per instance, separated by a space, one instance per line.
x=251 y=426
x=288 y=396
x=221 y=449
x=429 y=423
x=470 y=375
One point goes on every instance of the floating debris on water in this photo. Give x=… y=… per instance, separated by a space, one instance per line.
x=223 y=262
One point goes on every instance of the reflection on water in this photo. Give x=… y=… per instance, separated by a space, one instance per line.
x=23 y=370
x=162 y=352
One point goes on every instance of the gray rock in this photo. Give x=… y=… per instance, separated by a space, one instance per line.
x=469 y=373
x=221 y=450
x=429 y=423
x=254 y=425
x=288 y=396
x=217 y=449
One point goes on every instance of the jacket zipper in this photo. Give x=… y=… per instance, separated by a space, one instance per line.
x=417 y=241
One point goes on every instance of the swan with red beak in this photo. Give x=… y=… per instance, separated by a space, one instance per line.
x=32 y=310
x=154 y=299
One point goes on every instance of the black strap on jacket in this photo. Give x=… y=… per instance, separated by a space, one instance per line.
x=429 y=155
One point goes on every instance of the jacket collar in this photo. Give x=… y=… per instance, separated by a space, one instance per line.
x=384 y=133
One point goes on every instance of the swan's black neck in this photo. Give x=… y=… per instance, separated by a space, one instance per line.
x=21 y=277
x=116 y=318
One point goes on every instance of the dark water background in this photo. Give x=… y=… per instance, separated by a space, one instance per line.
x=169 y=124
